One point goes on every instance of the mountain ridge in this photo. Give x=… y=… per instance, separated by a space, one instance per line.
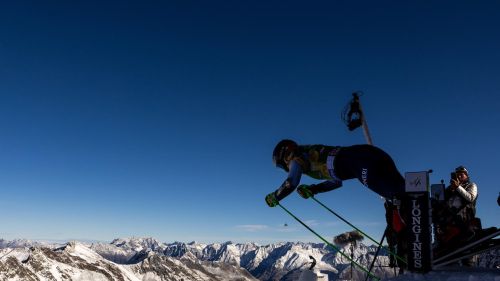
x=148 y=257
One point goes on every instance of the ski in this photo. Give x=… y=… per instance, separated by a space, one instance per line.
x=481 y=248
x=468 y=246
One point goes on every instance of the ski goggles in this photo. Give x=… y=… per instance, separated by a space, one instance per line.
x=282 y=165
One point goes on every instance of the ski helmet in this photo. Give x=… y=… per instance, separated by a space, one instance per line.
x=282 y=151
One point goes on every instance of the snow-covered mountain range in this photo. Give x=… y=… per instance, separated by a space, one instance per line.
x=281 y=261
x=148 y=259
x=77 y=261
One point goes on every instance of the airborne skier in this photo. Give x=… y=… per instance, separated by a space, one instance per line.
x=370 y=165
x=373 y=167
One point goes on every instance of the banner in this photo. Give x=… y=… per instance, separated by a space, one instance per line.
x=418 y=231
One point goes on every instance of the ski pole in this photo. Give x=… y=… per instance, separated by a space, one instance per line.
x=360 y=231
x=376 y=254
x=330 y=244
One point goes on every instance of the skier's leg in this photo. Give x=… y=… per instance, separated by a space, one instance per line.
x=395 y=231
x=390 y=234
x=373 y=167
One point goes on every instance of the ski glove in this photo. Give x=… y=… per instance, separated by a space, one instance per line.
x=271 y=200
x=304 y=191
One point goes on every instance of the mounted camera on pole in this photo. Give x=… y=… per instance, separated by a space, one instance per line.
x=354 y=117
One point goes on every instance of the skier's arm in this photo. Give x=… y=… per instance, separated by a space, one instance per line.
x=470 y=195
x=325 y=186
x=291 y=182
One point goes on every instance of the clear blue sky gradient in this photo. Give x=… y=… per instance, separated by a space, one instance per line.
x=158 y=119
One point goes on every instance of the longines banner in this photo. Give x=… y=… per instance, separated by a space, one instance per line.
x=418 y=229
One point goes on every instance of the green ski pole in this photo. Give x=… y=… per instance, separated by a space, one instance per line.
x=359 y=230
x=331 y=245
x=350 y=224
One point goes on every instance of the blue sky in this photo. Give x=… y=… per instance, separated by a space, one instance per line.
x=158 y=119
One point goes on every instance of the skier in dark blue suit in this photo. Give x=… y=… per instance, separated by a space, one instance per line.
x=373 y=167
x=370 y=165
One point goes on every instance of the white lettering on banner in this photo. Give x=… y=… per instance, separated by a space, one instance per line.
x=416 y=229
x=417 y=255
x=416 y=220
x=364 y=176
x=415 y=211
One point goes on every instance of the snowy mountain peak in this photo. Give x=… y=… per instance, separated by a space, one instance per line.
x=137 y=244
x=76 y=261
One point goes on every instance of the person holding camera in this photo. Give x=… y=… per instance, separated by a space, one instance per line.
x=461 y=196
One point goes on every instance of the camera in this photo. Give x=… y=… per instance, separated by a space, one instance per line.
x=453 y=175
